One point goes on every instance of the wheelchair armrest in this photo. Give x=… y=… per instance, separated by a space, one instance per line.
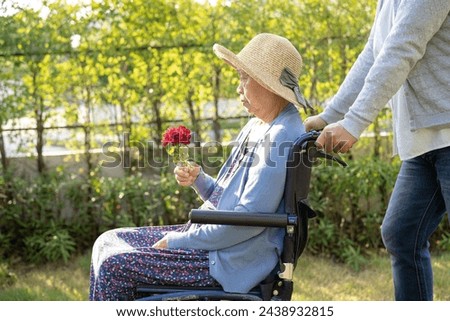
x=241 y=218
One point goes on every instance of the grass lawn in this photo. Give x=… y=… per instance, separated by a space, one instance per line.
x=322 y=280
x=316 y=279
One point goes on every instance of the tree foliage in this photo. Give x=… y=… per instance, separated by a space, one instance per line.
x=152 y=60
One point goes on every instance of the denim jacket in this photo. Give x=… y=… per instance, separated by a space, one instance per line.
x=240 y=257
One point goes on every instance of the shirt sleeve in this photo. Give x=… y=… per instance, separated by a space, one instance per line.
x=415 y=24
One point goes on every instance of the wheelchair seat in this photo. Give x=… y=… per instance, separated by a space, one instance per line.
x=278 y=285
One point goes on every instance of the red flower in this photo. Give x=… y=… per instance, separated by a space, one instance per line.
x=173 y=140
x=176 y=136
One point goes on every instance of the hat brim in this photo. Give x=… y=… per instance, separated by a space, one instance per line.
x=264 y=79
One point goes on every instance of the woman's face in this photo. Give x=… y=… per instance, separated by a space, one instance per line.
x=255 y=98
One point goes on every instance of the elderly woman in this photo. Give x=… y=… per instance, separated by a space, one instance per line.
x=251 y=180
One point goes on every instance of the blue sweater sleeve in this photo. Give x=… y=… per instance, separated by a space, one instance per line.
x=204 y=185
x=262 y=193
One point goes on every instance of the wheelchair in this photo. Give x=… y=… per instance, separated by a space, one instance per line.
x=278 y=286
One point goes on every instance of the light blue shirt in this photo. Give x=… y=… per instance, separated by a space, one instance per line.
x=241 y=257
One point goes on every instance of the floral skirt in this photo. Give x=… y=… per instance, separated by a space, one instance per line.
x=124 y=258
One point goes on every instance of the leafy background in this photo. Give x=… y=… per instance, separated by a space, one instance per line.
x=151 y=63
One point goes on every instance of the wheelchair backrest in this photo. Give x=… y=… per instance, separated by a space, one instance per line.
x=303 y=156
x=298 y=172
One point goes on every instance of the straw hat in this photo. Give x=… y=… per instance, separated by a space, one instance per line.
x=273 y=62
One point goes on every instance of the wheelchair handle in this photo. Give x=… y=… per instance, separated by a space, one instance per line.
x=310 y=138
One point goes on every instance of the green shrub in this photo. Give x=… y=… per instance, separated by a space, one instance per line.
x=443 y=244
x=46 y=214
x=31 y=208
x=351 y=203
x=7 y=278
x=49 y=243
x=52 y=216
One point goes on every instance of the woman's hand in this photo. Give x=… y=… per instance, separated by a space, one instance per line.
x=161 y=244
x=186 y=175
x=314 y=123
x=336 y=138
